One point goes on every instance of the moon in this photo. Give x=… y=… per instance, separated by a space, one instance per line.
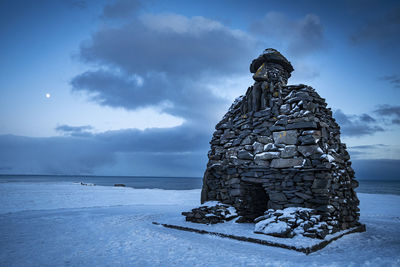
x=48 y=95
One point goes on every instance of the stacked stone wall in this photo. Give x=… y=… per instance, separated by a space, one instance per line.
x=291 y=147
x=278 y=146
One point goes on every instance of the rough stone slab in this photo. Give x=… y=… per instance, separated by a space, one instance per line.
x=302 y=125
x=267 y=155
x=307 y=250
x=242 y=154
x=285 y=163
x=285 y=137
x=307 y=151
x=289 y=151
x=277 y=197
x=264 y=139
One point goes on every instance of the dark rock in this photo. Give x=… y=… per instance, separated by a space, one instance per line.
x=302 y=125
x=289 y=151
x=277 y=128
x=264 y=139
x=248 y=140
x=243 y=154
x=258 y=147
x=308 y=151
x=285 y=137
x=267 y=155
x=307 y=140
x=302 y=195
x=286 y=163
x=321 y=183
x=277 y=197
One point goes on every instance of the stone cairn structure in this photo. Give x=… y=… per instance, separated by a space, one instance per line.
x=279 y=147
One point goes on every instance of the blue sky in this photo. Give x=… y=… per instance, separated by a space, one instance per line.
x=137 y=86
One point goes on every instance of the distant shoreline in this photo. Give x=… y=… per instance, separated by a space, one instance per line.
x=174 y=183
x=84 y=175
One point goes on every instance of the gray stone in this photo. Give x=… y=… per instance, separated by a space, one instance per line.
x=231 y=171
x=302 y=125
x=243 y=154
x=271 y=147
x=326 y=208
x=248 y=147
x=321 y=183
x=277 y=197
x=285 y=137
x=261 y=163
x=296 y=200
x=286 y=163
x=282 y=121
x=264 y=139
x=228 y=135
x=302 y=195
x=234 y=181
x=258 y=147
x=236 y=142
x=316 y=134
x=285 y=109
x=276 y=128
x=307 y=151
x=231 y=154
x=251 y=174
x=267 y=155
x=307 y=140
x=235 y=192
x=248 y=140
x=262 y=113
x=289 y=151
x=228 y=145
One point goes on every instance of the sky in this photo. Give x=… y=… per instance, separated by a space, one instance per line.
x=136 y=87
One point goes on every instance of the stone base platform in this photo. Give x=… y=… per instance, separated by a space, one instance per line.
x=244 y=232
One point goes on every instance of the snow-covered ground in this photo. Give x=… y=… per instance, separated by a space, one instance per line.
x=64 y=224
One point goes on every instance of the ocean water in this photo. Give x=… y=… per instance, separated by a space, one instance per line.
x=176 y=183
x=168 y=183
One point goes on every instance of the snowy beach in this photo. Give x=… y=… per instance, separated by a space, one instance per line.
x=63 y=224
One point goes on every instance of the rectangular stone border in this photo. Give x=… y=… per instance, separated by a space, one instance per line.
x=308 y=250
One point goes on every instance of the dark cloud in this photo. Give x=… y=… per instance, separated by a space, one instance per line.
x=121 y=9
x=369 y=151
x=190 y=164
x=366 y=118
x=169 y=44
x=180 y=139
x=162 y=148
x=74 y=130
x=381 y=29
x=356 y=125
x=52 y=155
x=167 y=61
x=377 y=169
x=394 y=80
x=392 y=112
x=300 y=37
x=187 y=99
x=362 y=147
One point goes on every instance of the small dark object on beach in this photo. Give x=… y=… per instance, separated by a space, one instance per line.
x=119 y=185
x=87 y=184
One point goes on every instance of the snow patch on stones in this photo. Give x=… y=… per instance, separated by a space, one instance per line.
x=289 y=222
x=211 y=212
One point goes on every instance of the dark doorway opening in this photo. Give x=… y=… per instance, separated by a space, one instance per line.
x=255 y=201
